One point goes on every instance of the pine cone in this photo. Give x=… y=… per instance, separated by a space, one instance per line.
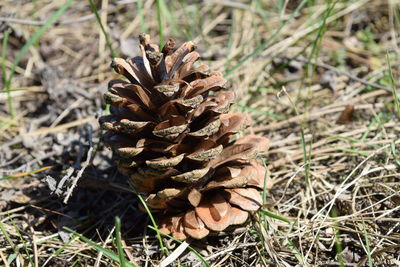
x=171 y=133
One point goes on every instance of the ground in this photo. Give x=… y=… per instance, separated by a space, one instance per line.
x=319 y=79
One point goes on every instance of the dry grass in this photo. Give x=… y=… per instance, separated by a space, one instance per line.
x=295 y=66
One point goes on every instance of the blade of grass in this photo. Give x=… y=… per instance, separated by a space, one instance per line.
x=231 y=37
x=309 y=70
x=22 y=240
x=106 y=36
x=7 y=237
x=160 y=22
x=367 y=246
x=269 y=114
x=316 y=45
x=121 y=255
x=275 y=216
x=108 y=42
x=12 y=90
x=338 y=242
x=35 y=37
x=6 y=34
x=15 y=248
x=393 y=150
x=171 y=19
x=153 y=221
x=60 y=250
x=99 y=248
x=393 y=84
x=25 y=173
x=306 y=154
x=349 y=150
x=143 y=27
x=264 y=193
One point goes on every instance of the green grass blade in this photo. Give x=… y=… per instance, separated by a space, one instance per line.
x=393 y=151
x=153 y=221
x=349 y=150
x=316 y=44
x=23 y=242
x=4 y=72
x=143 y=26
x=99 y=248
x=7 y=237
x=367 y=246
x=61 y=249
x=338 y=241
x=108 y=42
x=12 y=90
x=35 y=37
x=160 y=21
x=269 y=114
x=264 y=192
x=393 y=84
x=275 y=216
x=121 y=254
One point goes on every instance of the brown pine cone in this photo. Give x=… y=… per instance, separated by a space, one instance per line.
x=171 y=133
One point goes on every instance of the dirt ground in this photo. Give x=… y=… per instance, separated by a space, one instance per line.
x=319 y=78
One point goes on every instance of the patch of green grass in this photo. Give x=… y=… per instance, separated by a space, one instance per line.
x=367 y=38
x=339 y=56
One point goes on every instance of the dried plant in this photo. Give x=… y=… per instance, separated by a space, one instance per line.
x=171 y=132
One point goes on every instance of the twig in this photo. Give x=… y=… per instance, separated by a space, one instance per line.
x=61 y=127
x=79 y=174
